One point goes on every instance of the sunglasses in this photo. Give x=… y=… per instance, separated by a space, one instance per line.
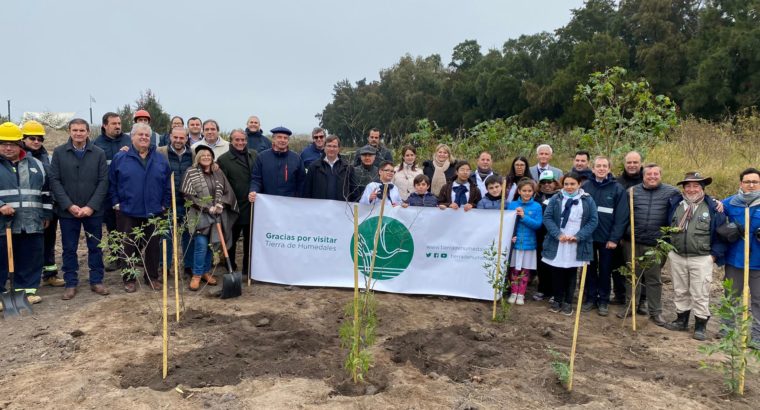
x=319 y=137
x=36 y=139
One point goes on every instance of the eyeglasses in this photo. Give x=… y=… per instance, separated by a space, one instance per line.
x=36 y=139
x=319 y=137
x=753 y=182
x=391 y=171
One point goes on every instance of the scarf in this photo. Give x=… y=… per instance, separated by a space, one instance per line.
x=380 y=189
x=568 y=206
x=439 y=176
x=461 y=194
x=242 y=155
x=484 y=174
x=691 y=206
x=745 y=199
x=494 y=198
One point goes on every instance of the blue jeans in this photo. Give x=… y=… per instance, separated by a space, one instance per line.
x=27 y=257
x=201 y=255
x=599 y=274
x=70 y=230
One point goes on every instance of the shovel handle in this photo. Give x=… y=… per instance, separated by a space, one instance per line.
x=9 y=241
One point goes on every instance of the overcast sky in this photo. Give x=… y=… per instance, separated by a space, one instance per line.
x=230 y=59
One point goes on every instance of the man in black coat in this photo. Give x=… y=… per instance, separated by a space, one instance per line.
x=330 y=177
x=79 y=183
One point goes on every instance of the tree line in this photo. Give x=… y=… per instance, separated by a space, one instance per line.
x=702 y=55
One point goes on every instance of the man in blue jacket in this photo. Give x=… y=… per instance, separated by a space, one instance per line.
x=256 y=139
x=735 y=206
x=696 y=248
x=139 y=189
x=316 y=150
x=278 y=171
x=613 y=213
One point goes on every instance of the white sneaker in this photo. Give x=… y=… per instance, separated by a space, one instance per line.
x=512 y=299
x=520 y=299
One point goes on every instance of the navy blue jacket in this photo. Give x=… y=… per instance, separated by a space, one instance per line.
x=257 y=141
x=612 y=208
x=416 y=199
x=141 y=191
x=311 y=154
x=718 y=248
x=111 y=146
x=81 y=182
x=278 y=173
x=178 y=165
x=552 y=219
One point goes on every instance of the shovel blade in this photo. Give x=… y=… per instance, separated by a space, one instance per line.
x=14 y=303
x=232 y=285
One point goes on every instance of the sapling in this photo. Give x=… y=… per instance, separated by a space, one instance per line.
x=497 y=278
x=560 y=366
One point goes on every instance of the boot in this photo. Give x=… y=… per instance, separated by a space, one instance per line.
x=700 y=328
x=681 y=323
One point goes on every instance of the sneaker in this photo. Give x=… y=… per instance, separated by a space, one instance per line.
x=555 y=307
x=512 y=299
x=567 y=309
x=538 y=296
x=603 y=309
x=33 y=299
x=520 y=299
x=587 y=307
x=54 y=281
x=551 y=299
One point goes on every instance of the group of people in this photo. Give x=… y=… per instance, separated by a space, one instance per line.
x=564 y=220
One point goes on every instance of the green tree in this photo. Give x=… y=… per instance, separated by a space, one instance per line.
x=127 y=117
x=159 y=120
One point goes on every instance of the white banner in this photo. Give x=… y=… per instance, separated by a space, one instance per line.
x=309 y=242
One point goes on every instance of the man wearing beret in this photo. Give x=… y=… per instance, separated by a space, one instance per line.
x=277 y=171
x=697 y=247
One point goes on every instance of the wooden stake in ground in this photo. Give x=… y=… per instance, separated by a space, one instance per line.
x=633 y=264
x=165 y=338
x=175 y=249
x=498 y=249
x=377 y=236
x=575 y=328
x=745 y=303
x=356 y=284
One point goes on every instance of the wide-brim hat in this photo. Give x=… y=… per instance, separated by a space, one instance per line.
x=695 y=177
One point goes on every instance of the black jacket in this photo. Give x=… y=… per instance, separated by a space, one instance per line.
x=239 y=176
x=428 y=169
x=650 y=211
x=316 y=184
x=612 y=208
x=81 y=182
x=628 y=181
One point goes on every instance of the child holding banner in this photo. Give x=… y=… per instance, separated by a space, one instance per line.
x=570 y=219
x=421 y=196
x=460 y=192
x=529 y=219
x=373 y=193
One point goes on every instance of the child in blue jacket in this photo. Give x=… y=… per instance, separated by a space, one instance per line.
x=524 y=257
x=421 y=196
x=492 y=198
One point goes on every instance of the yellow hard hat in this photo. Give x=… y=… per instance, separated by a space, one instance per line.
x=10 y=132
x=32 y=127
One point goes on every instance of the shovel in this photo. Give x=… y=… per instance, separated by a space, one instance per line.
x=231 y=281
x=13 y=302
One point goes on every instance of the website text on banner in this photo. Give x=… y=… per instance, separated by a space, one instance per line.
x=308 y=242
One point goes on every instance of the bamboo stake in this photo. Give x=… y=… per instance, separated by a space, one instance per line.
x=165 y=338
x=745 y=303
x=377 y=236
x=633 y=264
x=175 y=249
x=575 y=328
x=356 y=284
x=498 y=255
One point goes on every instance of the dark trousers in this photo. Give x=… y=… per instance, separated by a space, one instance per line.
x=563 y=280
x=49 y=249
x=109 y=217
x=599 y=274
x=27 y=258
x=71 y=228
x=618 y=281
x=237 y=231
x=149 y=245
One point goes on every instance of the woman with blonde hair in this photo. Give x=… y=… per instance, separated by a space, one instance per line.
x=440 y=169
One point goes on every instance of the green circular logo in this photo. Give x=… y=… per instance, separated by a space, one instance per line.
x=395 y=248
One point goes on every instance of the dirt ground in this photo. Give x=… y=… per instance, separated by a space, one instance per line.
x=278 y=347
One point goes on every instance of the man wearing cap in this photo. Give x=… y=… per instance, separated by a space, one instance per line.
x=143 y=116
x=256 y=139
x=212 y=139
x=316 y=150
x=331 y=176
x=735 y=207
x=277 y=171
x=366 y=171
x=696 y=248
x=483 y=171
x=34 y=136
x=381 y=153
x=237 y=164
x=139 y=189
x=26 y=208
x=79 y=181
x=612 y=208
x=544 y=153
